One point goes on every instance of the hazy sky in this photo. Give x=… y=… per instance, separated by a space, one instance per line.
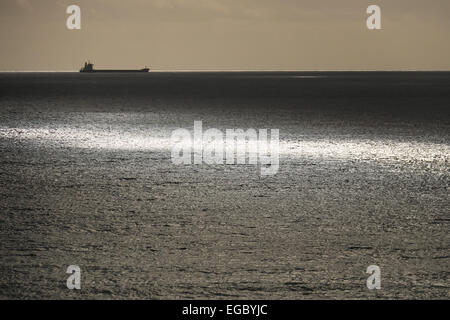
x=226 y=35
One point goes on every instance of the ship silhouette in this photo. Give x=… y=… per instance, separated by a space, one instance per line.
x=89 y=67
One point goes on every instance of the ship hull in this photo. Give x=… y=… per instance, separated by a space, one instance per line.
x=114 y=71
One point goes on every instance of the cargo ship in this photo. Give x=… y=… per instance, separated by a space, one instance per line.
x=89 y=67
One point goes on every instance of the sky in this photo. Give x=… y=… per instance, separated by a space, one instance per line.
x=199 y=35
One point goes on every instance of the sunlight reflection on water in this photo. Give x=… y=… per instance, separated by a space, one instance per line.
x=386 y=150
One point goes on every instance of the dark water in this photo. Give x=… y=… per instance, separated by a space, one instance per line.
x=86 y=179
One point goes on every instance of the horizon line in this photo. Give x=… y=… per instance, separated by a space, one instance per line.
x=232 y=70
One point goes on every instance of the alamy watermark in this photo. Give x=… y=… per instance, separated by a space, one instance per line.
x=235 y=146
x=374 y=280
x=74 y=280
x=374 y=20
x=73 y=22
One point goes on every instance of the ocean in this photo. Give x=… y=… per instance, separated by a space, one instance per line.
x=86 y=179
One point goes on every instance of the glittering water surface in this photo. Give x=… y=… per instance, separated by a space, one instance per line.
x=87 y=179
